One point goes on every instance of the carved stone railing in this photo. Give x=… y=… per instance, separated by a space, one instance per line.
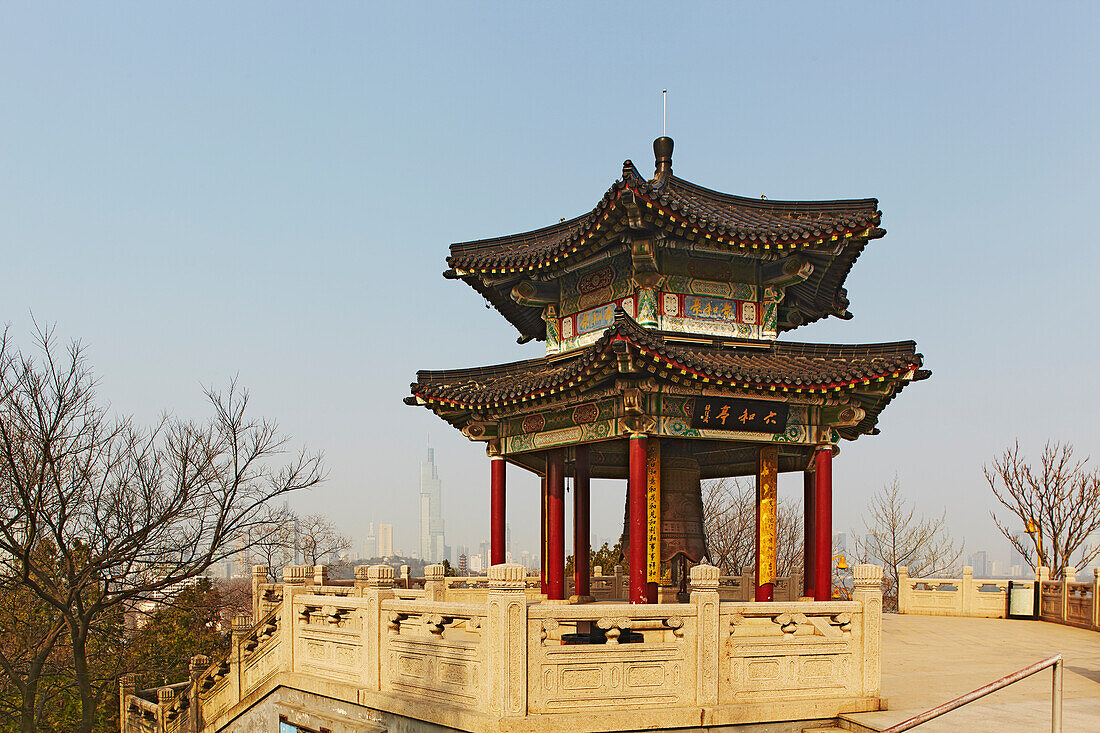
x=472 y=666
x=965 y=596
x=1063 y=601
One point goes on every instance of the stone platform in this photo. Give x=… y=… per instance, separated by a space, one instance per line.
x=928 y=660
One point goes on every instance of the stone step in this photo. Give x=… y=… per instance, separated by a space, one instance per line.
x=825 y=729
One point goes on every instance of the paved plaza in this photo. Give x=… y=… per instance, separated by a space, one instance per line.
x=928 y=660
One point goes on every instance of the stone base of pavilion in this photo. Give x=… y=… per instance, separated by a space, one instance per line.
x=366 y=656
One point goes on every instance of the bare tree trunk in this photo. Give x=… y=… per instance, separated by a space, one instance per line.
x=82 y=675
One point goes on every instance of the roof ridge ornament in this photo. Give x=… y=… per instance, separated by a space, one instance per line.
x=662 y=160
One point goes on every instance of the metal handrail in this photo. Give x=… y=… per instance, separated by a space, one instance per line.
x=1054 y=662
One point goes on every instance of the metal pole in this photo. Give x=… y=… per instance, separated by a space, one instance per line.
x=1056 y=697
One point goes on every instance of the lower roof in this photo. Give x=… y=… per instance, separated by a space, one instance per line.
x=739 y=366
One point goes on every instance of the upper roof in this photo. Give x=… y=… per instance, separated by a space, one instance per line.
x=828 y=234
x=775 y=366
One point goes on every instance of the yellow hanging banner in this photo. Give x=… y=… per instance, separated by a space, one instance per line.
x=767 y=504
x=653 y=511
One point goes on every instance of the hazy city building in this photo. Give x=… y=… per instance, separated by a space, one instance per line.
x=385 y=540
x=980 y=563
x=432 y=547
x=370 y=543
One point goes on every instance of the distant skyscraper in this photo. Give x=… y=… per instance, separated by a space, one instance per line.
x=385 y=540
x=980 y=563
x=432 y=547
x=370 y=543
x=483 y=551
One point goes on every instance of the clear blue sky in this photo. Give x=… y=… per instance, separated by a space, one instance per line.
x=269 y=189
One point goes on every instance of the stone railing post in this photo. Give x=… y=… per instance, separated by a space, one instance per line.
x=165 y=696
x=376 y=582
x=1095 y=616
x=320 y=575
x=746 y=585
x=506 y=634
x=966 y=592
x=617 y=585
x=704 y=596
x=1069 y=575
x=242 y=624
x=295 y=578
x=598 y=571
x=867 y=590
x=259 y=578
x=1044 y=576
x=904 y=590
x=195 y=668
x=126 y=687
x=433 y=582
x=405 y=576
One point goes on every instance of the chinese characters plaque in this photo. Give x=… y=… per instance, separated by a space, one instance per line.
x=750 y=416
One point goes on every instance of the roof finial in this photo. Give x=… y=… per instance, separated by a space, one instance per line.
x=662 y=154
x=664 y=112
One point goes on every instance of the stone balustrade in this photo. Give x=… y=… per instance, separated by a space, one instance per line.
x=503 y=660
x=1065 y=601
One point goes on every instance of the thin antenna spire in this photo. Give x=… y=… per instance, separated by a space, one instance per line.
x=664 y=111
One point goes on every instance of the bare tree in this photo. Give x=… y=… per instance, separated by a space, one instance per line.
x=1054 y=507
x=318 y=537
x=897 y=535
x=729 y=520
x=128 y=512
x=791 y=530
x=272 y=542
x=30 y=632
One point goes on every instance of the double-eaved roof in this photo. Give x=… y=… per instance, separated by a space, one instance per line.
x=830 y=235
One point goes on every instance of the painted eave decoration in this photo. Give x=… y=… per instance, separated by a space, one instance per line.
x=868 y=374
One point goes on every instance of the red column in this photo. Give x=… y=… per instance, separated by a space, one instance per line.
x=581 y=522
x=636 y=487
x=809 y=568
x=823 y=521
x=542 y=535
x=497 y=516
x=555 y=530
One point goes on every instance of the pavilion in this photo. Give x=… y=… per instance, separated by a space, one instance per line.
x=661 y=310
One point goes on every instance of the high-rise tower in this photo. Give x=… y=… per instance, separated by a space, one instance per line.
x=431 y=511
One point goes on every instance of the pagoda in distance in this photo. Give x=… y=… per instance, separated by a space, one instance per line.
x=661 y=310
